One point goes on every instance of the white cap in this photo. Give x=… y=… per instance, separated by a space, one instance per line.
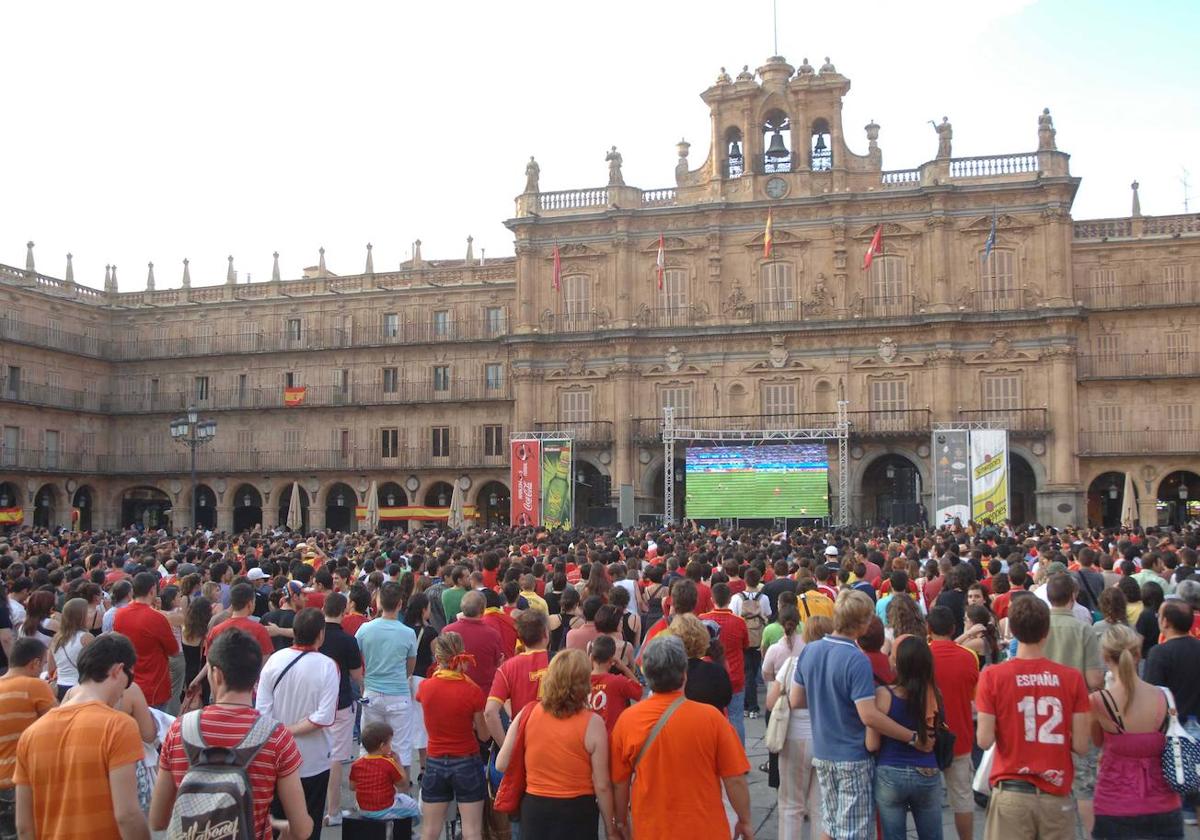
x=830 y=551
x=256 y=574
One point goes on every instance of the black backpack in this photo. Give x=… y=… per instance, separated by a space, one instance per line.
x=216 y=798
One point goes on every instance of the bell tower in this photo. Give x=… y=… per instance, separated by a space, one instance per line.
x=778 y=132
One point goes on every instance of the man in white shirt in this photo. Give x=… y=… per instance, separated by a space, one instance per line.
x=17 y=593
x=299 y=688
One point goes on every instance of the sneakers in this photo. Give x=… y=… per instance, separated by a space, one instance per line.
x=1189 y=816
x=335 y=819
x=753 y=715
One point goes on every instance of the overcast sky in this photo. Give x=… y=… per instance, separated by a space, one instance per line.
x=141 y=131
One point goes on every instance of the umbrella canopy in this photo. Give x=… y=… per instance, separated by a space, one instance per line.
x=1129 y=511
x=372 y=523
x=295 y=518
x=456 y=520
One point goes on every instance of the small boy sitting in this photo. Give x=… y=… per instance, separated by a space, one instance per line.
x=376 y=777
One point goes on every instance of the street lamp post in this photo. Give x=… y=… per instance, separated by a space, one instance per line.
x=193 y=433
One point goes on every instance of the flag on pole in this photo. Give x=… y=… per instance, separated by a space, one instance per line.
x=557 y=268
x=661 y=262
x=876 y=247
x=991 y=239
x=768 y=239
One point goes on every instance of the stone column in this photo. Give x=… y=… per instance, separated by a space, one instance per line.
x=225 y=518
x=270 y=515
x=529 y=284
x=316 y=514
x=938 y=258
x=624 y=451
x=1147 y=509
x=1058 y=233
x=1062 y=468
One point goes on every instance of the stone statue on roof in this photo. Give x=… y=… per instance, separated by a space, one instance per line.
x=1046 y=132
x=615 y=179
x=806 y=69
x=945 y=134
x=532 y=172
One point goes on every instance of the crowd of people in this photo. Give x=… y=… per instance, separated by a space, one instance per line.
x=594 y=683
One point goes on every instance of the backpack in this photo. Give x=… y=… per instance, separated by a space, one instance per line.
x=216 y=799
x=814 y=603
x=752 y=614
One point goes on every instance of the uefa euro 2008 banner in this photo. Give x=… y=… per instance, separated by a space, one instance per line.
x=541 y=476
x=970 y=475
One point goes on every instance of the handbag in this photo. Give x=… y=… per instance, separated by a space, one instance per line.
x=777 y=726
x=943 y=739
x=1181 y=753
x=982 y=781
x=512 y=785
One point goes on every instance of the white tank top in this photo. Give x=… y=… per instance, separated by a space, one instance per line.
x=65 y=659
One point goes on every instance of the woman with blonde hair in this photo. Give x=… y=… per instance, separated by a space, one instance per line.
x=453 y=708
x=707 y=681
x=799 y=792
x=1132 y=798
x=567 y=783
x=70 y=640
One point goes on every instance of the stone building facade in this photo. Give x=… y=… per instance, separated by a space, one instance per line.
x=1077 y=336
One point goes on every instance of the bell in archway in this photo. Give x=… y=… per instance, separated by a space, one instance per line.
x=735 y=149
x=820 y=147
x=777 y=149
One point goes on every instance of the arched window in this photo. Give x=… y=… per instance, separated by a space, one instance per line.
x=820 y=147
x=889 y=286
x=997 y=280
x=777 y=154
x=778 y=297
x=735 y=160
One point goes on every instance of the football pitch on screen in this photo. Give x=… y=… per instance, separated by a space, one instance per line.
x=756 y=494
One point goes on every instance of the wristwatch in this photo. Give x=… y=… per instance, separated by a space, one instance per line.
x=912 y=742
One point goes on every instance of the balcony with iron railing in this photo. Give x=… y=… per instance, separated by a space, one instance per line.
x=889 y=306
x=48 y=460
x=668 y=316
x=863 y=424
x=1020 y=422
x=1134 y=295
x=996 y=300
x=586 y=433
x=1139 y=441
x=1138 y=365
x=235 y=399
x=301 y=459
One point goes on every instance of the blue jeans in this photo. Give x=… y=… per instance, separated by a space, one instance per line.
x=753 y=671
x=737 y=708
x=900 y=790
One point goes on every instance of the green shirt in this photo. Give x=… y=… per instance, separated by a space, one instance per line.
x=772 y=633
x=452 y=602
x=1071 y=642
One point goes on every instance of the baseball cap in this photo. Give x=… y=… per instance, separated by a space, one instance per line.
x=831 y=551
x=295 y=587
x=185 y=569
x=256 y=574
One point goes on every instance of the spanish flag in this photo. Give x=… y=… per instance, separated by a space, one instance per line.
x=294 y=396
x=768 y=240
x=11 y=516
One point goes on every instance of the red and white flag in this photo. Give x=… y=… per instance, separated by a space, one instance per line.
x=557 y=268
x=876 y=247
x=661 y=262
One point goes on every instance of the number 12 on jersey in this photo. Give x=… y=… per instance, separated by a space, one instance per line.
x=1049 y=708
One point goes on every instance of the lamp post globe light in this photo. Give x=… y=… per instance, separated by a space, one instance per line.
x=192 y=432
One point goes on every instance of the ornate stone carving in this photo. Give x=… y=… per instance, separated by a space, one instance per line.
x=1063 y=351
x=737 y=305
x=822 y=299
x=674 y=359
x=575 y=363
x=964 y=298
x=778 y=354
x=1001 y=346
x=856 y=305
x=886 y=350
x=943 y=355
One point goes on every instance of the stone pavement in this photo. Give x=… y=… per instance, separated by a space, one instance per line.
x=763 y=799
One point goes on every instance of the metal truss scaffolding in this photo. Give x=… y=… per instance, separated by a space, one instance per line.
x=839 y=431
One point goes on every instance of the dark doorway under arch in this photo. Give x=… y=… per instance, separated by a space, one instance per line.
x=206 y=508
x=247 y=508
x=493 y=505
x=1022 y=490
x=285 y=498
x=146 y=507
x=83 y=501
x=891 y=492
x=340 y=502
x=1178 y=500
x=1105 y=496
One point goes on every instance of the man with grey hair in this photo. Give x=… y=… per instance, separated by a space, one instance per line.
x=480 y=639
x=665 y=738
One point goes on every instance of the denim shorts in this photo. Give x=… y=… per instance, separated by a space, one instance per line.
x=457 y=778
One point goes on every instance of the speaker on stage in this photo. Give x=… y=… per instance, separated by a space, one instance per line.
x=601 y=517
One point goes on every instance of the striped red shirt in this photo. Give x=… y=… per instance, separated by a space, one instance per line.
x=225 y=726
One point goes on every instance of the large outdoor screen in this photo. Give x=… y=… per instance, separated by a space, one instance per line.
x=755 y=482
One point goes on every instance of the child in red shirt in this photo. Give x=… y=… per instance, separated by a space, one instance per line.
x=376 y=778
x=611 y=693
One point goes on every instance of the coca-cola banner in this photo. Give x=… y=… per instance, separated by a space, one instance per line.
x=526 y=481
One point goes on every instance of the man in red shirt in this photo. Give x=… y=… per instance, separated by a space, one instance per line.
x=735 y=638
x=1036 y=712
x=956 y=672
x=322 y=586
x=1017 y=576
x=498 y=617
x=519 y=680
x=241 y=606
x=480 y=640
x=234 y=663
x=152 y=638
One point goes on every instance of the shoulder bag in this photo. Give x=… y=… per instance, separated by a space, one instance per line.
x=658 y=727
x=777 y=726
x=512 y=785
x=1181 y=753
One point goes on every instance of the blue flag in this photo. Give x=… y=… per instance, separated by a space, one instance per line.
x=991 y=240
